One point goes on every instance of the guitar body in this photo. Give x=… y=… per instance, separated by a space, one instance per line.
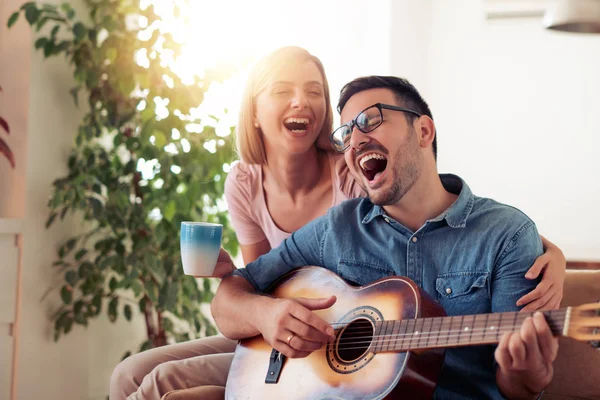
x=331 y=373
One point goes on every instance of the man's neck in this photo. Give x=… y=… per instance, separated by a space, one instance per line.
x=426 y=200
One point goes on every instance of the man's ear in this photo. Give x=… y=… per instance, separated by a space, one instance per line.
x=426 y=129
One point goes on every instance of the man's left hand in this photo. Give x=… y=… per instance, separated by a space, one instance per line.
x=525 y=358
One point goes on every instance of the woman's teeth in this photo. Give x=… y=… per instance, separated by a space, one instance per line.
x=296 y=124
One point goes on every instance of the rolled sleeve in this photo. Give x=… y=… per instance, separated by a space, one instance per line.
x=303 y=248
x=509 y=282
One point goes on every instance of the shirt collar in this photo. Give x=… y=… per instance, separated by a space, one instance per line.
x=456 y=215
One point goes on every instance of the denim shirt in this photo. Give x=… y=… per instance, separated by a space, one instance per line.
x=472 y=259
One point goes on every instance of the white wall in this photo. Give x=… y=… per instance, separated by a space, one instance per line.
x=411 y=40
x=517 y=110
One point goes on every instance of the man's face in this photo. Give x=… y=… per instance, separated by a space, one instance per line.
x=387 y=161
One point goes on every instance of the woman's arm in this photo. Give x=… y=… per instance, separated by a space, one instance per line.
x=240 y=201
x=549 y=292
x=251 y=252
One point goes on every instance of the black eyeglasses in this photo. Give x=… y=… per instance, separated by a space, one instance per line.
x=366 y=121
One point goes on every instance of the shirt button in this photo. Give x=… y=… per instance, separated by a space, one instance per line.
x=448 y=291
x=414 y=239
x=386 y=220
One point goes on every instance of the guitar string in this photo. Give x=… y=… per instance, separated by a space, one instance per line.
x=444 y=335
x=448 y=335
x=397 y=338
x=391 y=341
x=553 y=313
x=472 y=329
x=365 y=345
x=364 y=330
x=353 y=329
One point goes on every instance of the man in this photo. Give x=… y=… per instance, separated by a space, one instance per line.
x=469 y=253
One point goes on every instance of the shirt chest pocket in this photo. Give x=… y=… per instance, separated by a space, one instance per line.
x=361 y=273
x=463 y=293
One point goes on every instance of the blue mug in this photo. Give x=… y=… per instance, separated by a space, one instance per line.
x=200 y=245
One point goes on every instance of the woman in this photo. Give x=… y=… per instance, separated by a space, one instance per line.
x=284 y=181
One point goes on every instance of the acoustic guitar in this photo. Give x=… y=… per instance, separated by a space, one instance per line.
x=390 y=341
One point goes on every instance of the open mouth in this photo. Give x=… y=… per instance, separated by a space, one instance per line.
x=296 y=125
x=372 y=166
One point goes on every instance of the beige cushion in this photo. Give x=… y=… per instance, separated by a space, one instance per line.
x=577 y=366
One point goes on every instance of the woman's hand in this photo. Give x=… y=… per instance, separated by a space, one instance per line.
x=549 y=292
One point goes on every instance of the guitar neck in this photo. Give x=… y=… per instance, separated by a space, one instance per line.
x=468 y=330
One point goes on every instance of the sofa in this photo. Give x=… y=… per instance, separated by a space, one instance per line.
x=577 y=366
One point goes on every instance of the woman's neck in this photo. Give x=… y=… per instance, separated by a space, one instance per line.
x=295 y=174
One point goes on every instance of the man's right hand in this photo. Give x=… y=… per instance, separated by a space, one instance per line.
x=291 y=327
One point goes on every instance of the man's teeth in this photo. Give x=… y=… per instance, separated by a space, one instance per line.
x=370 y=157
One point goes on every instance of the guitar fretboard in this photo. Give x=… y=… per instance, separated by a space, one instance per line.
x=467 y=330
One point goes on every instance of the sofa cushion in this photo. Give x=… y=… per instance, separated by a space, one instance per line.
x=577 y=366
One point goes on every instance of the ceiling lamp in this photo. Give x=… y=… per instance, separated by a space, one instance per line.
x=581 y=16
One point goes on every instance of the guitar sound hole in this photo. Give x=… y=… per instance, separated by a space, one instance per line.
x=355 y=340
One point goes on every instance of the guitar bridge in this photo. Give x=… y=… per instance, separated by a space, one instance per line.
x=276 y=361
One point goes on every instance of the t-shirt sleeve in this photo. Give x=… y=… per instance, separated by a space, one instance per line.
x=347 y=184
x=239 y=187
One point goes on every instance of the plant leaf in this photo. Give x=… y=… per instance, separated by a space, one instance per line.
x=147 y=345
x=96 y=304
x=127 y=354
x=27 y=5
x=4 y=125
x=7 y=152
x=13 y=18
x=71 y=277
x=112 y=309
x=66 y=294
x=40 y=24
x=169 y=211
x=51 y=219
x=79 y=31
x=54 y=31
x=80 y=254
x=41 y=42
x=32 y=14
x=127 y=312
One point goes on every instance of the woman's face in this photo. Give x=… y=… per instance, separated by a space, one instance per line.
x=290 y=110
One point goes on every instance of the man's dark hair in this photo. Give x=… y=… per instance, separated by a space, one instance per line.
x=406 y=94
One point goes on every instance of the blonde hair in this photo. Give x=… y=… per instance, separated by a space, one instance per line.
x=250 y=144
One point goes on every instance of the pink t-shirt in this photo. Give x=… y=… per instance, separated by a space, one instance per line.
x=248 y=207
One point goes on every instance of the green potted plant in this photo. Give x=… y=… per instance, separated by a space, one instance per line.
x=141 y=163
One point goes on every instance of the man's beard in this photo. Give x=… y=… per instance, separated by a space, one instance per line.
x=404 y=175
